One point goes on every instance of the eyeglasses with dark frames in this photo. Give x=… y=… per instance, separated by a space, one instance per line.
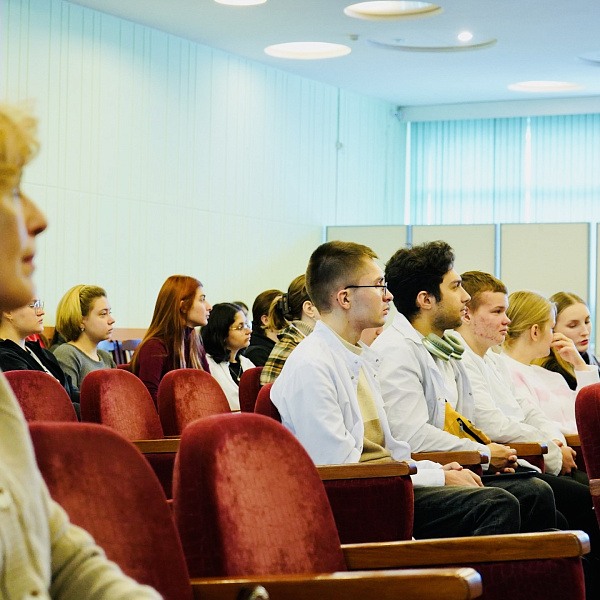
x=383 y=287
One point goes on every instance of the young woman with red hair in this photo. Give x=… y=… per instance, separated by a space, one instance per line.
x=171 y=341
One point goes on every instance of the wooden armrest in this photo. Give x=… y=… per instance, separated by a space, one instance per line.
x=422 y=584
x=157 y=446
x=468 y=457
x=573 y=439
x=366 y=470
x=476 y=549
x=529 y=449
x=595 y=487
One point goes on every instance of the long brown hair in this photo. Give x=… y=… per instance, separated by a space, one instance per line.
x=168 y=323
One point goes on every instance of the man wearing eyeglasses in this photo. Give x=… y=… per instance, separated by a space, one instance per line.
x=328 y=396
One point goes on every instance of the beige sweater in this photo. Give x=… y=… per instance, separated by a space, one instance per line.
x=42 y=555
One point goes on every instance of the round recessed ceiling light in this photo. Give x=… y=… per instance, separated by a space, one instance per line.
x=424 y=45
x=307 y=50
x=465 y=36
x=389 y=10
x=544 y=86
x=240 y=2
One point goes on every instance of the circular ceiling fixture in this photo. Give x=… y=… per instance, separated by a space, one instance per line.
x=387 y=10
x=307 y=50
x=414 y=45
x=544 y=86
x=240 y=2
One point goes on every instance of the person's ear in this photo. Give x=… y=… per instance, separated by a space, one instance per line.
x=534 y=332
x=309 y=309
x=424 y=301
x=343 y=299
x=264 y=319
x=467 y=317
x=181 y=309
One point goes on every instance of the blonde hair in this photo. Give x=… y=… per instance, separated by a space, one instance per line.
x=73 y=306
x=526 y=309
x=18 y=141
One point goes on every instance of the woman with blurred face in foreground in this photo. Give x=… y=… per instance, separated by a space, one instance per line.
x=44 y=556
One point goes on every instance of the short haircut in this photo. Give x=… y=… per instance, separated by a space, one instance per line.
x=73 y=306
x=332 y=265
x=476 y=283
x=417 y=269
x=526 y=309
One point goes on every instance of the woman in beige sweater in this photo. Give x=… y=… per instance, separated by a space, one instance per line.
x=44 y=556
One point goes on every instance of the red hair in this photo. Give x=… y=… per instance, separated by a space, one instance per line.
x=168 y=323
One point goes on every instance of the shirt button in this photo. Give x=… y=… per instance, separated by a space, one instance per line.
x=35 y=594
x=351 y=376
x=5 y=499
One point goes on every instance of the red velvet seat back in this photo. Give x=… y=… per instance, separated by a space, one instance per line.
x=264 y=406
x=41 y=397
x=249 y=388
x=249 y=501
x=185 y=395
x=107 y=488
x=118 y=399
x=587 y=413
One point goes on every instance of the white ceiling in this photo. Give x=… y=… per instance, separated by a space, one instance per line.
x=537 y=39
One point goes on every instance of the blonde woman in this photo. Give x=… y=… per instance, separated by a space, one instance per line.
x=572 y=320
x=43 y=554
x=84 y=319
x=530 y=336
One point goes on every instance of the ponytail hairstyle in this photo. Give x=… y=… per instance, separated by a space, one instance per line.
x=168 y=324
x=288 y=307
x=526 y=309
x=73 y=306
x=261 y=307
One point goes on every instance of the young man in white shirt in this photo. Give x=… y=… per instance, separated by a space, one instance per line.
x=505 y=416
x=328 y=396
x=417 y=385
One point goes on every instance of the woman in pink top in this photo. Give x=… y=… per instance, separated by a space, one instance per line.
x=530 y=337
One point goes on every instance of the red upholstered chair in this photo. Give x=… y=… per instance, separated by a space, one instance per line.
x=107 y=488
x=248 y=501
x=185 y=395
x=41 y=397
x=264 y=406
x=118 y=399
x=249 y=388
x=587 y=413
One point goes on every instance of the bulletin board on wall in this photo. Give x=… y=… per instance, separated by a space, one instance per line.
x=474 y=245
x=546 y=257
x=383 y=239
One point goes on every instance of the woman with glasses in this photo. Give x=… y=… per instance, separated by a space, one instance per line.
x=171 y=341
x=19 y=354
x=225 y=335
x=84 y=319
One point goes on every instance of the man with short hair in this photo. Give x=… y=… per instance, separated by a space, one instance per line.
x=501 y=413
x=422 y=381
x=328 y=396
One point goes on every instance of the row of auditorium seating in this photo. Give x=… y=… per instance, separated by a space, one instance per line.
x=249 y=508
x=378 y=533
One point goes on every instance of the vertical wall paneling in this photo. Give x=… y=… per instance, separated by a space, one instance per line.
x=546 y=258
x=474 y=245
x=160 y=155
